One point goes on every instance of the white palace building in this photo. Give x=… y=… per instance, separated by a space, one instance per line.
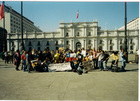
x=76 y=35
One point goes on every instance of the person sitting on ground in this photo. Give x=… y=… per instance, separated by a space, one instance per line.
x=75 y=65
x=115 y=59
x=87 y=57
x=56 y=56
x=38 y=66
x=46 y=64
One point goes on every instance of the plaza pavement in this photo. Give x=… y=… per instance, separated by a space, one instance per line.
x=96 y=85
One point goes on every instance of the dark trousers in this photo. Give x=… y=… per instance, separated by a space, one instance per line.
x=11 y=59
x=6 y=59
x=113 y=61
x=95 y=63
x=17 y=64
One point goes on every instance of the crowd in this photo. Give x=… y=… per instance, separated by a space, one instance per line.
x=39 y=61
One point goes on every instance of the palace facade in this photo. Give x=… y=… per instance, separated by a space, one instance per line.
x=76 y=35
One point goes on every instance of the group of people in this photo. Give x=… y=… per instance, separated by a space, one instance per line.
x=39 y=61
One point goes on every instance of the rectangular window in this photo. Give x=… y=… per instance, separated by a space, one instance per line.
x=78 y=34
x=131 y=47
x=67 y=42
x=38 y=48
x=56 y=43
x=110 y=41
x=47 y=42
x=89 y=34
x=111 y=48
x=56 y=48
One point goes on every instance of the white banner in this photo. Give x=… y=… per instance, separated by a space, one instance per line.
x=59 y=67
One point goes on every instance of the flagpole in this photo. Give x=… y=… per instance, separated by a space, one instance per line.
x=4 y=15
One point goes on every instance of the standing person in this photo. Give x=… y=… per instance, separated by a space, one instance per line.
x=6 y=57
x=11 y=56
x=95 y=60
x=123 y=59
x=104 y=60
x=28 y=60
x=18 y=58
x=100 y=56
x=23 y=58
x=3 y=55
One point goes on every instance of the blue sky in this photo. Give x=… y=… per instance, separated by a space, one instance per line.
x=47 y=15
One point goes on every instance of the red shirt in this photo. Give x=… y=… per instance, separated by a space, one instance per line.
x=23 y=57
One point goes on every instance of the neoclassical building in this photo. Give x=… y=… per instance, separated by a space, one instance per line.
x=76 y=35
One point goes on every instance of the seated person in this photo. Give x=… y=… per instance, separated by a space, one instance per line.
x=46 y=64
x=56 y=57
x=87 y=58
x=75 y=65
x=115 y=58
x=38 y=66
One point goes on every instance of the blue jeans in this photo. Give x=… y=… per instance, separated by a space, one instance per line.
x=123 y=63
x=28 y=67
x=100 y=64
x=24 y=64
x=104 y=65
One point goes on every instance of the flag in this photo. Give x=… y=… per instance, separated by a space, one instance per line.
x=2 y=10
x=77 y=14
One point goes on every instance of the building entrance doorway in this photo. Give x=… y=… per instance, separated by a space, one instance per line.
x=78 y=46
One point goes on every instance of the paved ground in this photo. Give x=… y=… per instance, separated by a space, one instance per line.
x=96 y=85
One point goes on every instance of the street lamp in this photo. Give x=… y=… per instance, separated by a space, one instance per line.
x=22 y=44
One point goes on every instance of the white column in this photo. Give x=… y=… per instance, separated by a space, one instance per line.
x=93 y=44
x=85 y=31
x=136 y=44
x=115 y=46
x=8 y=45
x=85 y=44
x=16 y=45
x=105 y=44
x=73 y=33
